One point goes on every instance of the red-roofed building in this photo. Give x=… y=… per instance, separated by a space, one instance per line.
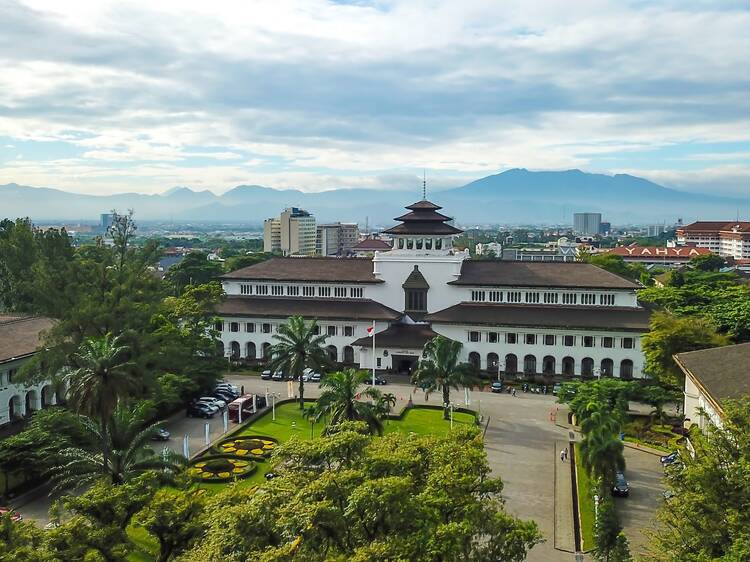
x=368 y=247
x=728 y=239
x=655 y=255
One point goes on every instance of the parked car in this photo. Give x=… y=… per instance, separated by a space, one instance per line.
x=213 y=401
x=266 y=375
x=200 y=410
x=315 y=377
x=228 y=386
x=161 y=435
x=497 y=387
x=556 y=388
x=278 y=376
x=225 y=395
x=671 y=458
x=14 y=515
x=621 y=486
x=380 y=381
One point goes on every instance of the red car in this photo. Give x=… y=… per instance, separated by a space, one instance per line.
x=14 y=515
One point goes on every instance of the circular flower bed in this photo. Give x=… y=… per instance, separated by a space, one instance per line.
x=220 y=468
x=249 y=445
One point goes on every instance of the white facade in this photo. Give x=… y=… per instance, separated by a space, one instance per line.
x=729 y=240
x=560 y=342
x=699 y=408
x=18 y=400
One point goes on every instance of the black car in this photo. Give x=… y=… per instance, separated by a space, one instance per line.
x=380 y=381
x=198 y=410
x=266 y=375
x=225 y=395
x=160 y=434
x=497 y=387
x=621 y=487
x=671 y=458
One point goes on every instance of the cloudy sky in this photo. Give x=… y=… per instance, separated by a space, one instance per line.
x=103 y=97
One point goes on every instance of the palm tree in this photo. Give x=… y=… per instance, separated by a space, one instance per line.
x=129 y=454
x=298 y=347
x=440 y=369
x=100 y=376
x=385 y=403
x=601 y=449
x=338 y=401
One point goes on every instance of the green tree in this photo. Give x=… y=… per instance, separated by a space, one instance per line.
x=706 y=516
x=670 y=334
x=194 y=269
x=601 y=449
x=350 y=496
x=708 y=262
x=128 y=452
x=339 y=402
x=610 y=542
x=658 y=397
x=614 y=264
x=298 y=347
x=173 y=517
x=440 y=370
x=245 y=260
x=23 y=541
x=613 y=393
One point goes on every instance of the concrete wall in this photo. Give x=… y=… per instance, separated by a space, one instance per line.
x=20 y=394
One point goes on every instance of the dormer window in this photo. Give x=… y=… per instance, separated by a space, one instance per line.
x=415 y=293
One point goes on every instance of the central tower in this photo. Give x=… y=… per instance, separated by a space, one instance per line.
x=423 y=230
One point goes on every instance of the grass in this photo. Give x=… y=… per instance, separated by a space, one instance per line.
x=585 y=501
x=662 y=448
x=423 y=421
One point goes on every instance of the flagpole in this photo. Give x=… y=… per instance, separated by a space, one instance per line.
x=373 y=353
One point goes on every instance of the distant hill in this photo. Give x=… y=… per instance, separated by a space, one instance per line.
x=512 y=197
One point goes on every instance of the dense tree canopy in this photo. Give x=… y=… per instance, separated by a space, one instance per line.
x=352 y=497
x=706 y=516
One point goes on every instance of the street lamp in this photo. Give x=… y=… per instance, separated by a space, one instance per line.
x=500 y=367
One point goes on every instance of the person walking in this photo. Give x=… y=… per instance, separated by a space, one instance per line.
x=514 y=393
x=562 y=455
x=565 y=450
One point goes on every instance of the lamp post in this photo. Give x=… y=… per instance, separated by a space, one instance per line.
x=273 y=406
x=500 y=367
x=451 y=407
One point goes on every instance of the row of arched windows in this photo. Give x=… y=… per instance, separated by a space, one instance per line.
x=549 y=366
x=251 y=352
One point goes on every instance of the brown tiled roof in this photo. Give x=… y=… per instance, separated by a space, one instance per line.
x=416 y=280
x=427 y=227
x=570 y=317
x=342 y=270
x=575 y=275
x=721 y=371
x=269 y=307
x=407 y=336
x=20 y=336
x=424 y=204
x=716 y=226
x=372 y=244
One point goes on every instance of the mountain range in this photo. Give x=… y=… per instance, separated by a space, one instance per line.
x=516 y=196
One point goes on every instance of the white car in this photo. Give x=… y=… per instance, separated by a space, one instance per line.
x=315 y=377
x=228 y=386
x=211 y=401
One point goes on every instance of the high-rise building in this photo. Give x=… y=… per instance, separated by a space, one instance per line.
x=654 y=230
x=605 y=228
x=292 y=234
x=336 y=239
x=587 y=224
x=105 y=220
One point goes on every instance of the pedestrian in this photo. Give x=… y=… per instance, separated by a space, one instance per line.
x=565 y=450
x=242 y=390
x=562 y=455
x=514 y=393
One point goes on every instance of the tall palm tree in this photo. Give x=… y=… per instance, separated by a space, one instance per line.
x=440 y=370
x=339 y=400
x=601 y=449
x=127 y=443
x=385 y=403
x=100 y=376
x=298 y=347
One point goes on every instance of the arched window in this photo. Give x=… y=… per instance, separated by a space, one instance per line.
x=348 y=354
x=400 y=243
x=511 y=364
x=15 y=409
x=568 y=366
x=266 y=350
x=31 y=399
x=475 y=360
x=492 y=363
x=529 y=365
x=548 y=365
x=608 y=367
x=587 y=367
x=626 y=369
x=234 y=350
x=333 y=353
x=220 y=348
x=250 y=350
x=438 y=243
x=48 y=396
x=409 y=243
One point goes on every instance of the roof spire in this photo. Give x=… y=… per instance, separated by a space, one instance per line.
x=424 y=184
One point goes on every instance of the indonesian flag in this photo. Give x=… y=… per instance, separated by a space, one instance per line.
x=371 y=331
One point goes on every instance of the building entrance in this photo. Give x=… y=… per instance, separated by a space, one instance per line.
x=404 y=364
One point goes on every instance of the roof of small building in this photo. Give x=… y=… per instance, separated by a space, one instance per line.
x=524 y=315
x=415 y=280
x=721 y=371
x=269 y=307
x=406 y=336
x=20 y=336
x=332 y=270
x=575 y=275
x=715 y=226
x=372 y=244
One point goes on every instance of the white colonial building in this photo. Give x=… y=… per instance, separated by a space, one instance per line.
x=513 y=317
x=20 y=337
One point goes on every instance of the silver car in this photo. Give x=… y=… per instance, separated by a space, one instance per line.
x=212 y=401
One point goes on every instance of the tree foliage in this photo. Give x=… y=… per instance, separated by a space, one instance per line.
x=611 y=545
x=340 y=401
x=353 y=497
x=670 y=334
x=706 y=516
x=194 y=269
x=440 y=370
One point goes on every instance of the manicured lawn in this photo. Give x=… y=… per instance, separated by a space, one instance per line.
x=424 y=421
x=585 y=501
x=289 y=422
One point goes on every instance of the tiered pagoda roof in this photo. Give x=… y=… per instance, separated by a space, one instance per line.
x=423 y=218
